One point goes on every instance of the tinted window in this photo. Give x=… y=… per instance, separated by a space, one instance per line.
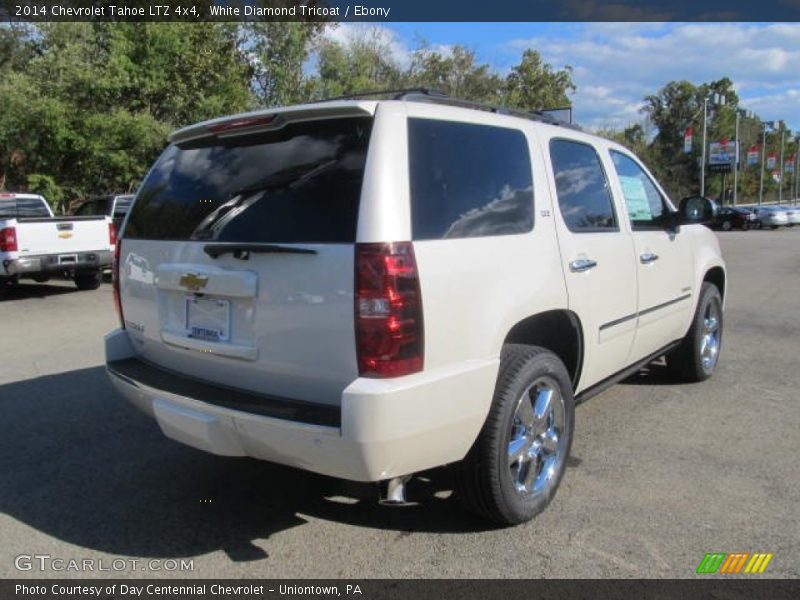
x=299 y=184
x=122 y=205
x=8 y=209
x=22 y=208
x=468 y=180
x=643 y=201
x=86 y=209
x=582 y=188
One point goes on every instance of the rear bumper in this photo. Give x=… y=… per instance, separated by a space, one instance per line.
x=55 y=263
x=382 y=428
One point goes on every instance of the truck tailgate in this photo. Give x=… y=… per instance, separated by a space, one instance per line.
x=62 y=235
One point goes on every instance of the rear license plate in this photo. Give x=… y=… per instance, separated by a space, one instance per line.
x=66 y=259
x=208 y=319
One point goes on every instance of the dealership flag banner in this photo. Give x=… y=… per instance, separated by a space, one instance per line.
x=788 y=166
x=772 y=160
x=688 y=135
x=752 y=155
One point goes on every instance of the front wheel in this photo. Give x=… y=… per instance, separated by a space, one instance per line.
x=697 y=356
x=88 y=281
x=726 y=226
x=513 y=469
x=745 y=226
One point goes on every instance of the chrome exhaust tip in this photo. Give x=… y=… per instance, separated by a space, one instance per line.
x=393 y=491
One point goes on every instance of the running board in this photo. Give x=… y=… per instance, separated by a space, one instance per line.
x=606 y=383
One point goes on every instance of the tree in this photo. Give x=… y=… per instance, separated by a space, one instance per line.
x=277 y=52
x=456 y=73
x=534 y=85
x=364 y=64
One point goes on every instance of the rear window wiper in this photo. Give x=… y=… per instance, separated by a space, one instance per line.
x=243 y=251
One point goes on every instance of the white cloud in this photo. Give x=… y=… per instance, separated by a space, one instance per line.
x=616 y=64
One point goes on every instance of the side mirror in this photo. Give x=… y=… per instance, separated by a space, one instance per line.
x=698 y=210
x=672 y=221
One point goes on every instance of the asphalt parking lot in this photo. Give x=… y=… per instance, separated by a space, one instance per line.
x=660 y=474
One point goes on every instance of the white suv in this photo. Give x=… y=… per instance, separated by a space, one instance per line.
x=371 y=288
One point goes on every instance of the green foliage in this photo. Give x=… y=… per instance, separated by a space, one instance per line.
x=534 y=85
x=47 y=187
x=678 y=105
x=87 y=107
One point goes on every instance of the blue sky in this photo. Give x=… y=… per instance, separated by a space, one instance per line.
x=617 y=64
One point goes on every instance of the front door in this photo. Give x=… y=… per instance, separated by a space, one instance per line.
x=663 y=259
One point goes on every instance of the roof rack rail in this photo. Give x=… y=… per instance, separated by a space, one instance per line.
x=396 y=94
x=438 y=97
x=544 y=116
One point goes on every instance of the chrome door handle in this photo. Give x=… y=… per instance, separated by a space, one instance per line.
x=648 y=257
x=582 y=264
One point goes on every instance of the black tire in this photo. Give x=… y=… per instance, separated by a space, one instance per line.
x=745 y=226
x=688 y=361
x=88 y=281
x=484 y=480
x=727 y=226
x=773 y=226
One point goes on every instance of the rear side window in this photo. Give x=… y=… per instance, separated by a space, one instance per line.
x=582 y=188
x=301 y=183
x=468 y=180
x=23 y=208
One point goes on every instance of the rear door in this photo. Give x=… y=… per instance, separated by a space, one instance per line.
x=597 y=257
x=237 y=262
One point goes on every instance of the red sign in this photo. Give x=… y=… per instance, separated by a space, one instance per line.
x=752 y=155
x=687 y=139
x=772 y=159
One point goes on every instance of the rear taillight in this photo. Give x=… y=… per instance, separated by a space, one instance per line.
x=112 y=234
x=389 y=328
x=8 y=239
x=115 y=279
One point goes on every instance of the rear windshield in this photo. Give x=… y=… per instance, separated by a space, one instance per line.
x=19 y=208
x=301 y=183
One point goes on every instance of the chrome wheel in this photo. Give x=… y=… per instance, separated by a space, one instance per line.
x=536 y=445
x=709 y=343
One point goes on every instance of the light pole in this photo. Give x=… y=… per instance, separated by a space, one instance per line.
x=740 y=113
x=780 y=183
x=766 y=124
x=718 y=100
x=796 y=164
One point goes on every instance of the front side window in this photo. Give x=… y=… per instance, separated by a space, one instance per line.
x=468 y=180
x=582 y=188
x=645 y=204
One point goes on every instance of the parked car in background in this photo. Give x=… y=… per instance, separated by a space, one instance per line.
x=37 y=245
x=792 y=215
x=732 y=217
x=771 y=216
x=115 y=207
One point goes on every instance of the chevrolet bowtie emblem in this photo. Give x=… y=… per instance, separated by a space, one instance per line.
x=193 y=281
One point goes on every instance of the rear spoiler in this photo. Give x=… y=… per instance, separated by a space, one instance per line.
x=270 y=120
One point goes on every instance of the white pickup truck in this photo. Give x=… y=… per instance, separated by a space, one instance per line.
x=36 y=244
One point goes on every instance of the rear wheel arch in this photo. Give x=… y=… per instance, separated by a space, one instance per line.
x=559 y=331
x=716 y=275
